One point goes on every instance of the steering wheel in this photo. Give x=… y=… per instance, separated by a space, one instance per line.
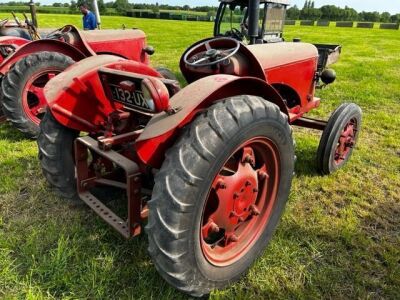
x=204 y=54
x=3 y=22
x=236 y=34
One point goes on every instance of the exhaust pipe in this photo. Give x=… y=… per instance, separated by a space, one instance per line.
x=32 y=9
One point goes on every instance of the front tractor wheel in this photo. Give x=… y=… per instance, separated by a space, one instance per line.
x=339 y=138
x=23 y=98
x=220 y=194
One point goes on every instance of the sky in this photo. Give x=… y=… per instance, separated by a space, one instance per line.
x=392 y=6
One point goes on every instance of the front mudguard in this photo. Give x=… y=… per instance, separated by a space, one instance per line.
x=163 y=129
x=76 y=97
x=38 y=46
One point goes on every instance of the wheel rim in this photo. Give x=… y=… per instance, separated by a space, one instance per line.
x=33 y=99
x=240 y=202
x=346 y=142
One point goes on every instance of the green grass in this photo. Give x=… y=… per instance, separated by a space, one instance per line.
x=339 y=237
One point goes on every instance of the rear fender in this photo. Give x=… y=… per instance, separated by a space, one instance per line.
x=13 y=41
x=76 y=97
x=38 y=46
x=162 y=129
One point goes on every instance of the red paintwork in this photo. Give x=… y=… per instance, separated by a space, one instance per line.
x=9 y=41
x=159 y=133
x=159 y=93
x=78 y=45
x=240 y=202
x=347 y=141
x=38 y=46
x=65 y=92
x=13 y=41
x=33 y=100
x=291 y=65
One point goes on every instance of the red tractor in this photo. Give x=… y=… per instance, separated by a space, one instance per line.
x=25 y=72
x=208 y=166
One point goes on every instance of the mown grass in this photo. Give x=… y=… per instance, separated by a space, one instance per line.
x=339 y=237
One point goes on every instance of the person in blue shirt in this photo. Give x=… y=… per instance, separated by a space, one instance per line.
x=89 y=19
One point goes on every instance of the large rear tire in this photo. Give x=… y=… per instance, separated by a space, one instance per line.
x=55 y=143
x=23 y=99
x=240 y=151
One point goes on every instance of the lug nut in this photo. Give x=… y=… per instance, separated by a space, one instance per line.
x=214 y=227
x=221 y=184
x=254 y=210
x=233 y=238
x=248 y=159
x=263 y=175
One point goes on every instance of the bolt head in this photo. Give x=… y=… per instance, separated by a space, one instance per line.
x=221 y=184
x=214 y=227
x=263 y=175
x=233 y=238
x=254 y=210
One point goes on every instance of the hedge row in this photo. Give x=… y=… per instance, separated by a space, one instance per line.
x=344 y=24
x=48 y=10
x=168 y=16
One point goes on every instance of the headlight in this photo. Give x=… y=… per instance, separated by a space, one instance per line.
x=155 y=94
x=148 y=98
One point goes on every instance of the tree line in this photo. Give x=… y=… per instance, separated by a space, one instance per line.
x=308 y=12
x=335 y=13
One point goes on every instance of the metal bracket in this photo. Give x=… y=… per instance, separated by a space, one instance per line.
x=310 y=123
x=87 y=180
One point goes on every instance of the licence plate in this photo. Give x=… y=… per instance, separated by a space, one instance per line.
x=129 y=98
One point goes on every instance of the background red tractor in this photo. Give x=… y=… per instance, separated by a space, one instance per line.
x=211 y=164
x=26 y=71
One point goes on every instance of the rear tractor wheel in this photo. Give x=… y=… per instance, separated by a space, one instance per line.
x=56 y=156
x=220 y=194
x=23 y=98
x=339 y=138
x=166 y=73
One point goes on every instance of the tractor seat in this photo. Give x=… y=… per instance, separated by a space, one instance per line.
x=16 y=32
x=108 y=35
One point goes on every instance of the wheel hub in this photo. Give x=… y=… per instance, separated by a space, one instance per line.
x=33 y=99
x=346 y=142
x=239 y=203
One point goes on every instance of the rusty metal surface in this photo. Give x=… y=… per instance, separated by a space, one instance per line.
x=275 y=55
x=105 y=213
x=62 y=82
x=85 y=181
x=106 y=35
x=187 y=99
x=310 y=123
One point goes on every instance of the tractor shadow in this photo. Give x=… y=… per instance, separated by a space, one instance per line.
x=306 y=152
x=9 y=133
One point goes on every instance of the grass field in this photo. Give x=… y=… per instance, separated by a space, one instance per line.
x=339 y=237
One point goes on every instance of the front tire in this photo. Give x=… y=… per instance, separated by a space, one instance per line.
x=196 y=245
x=23 y=99
x=339 y=138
